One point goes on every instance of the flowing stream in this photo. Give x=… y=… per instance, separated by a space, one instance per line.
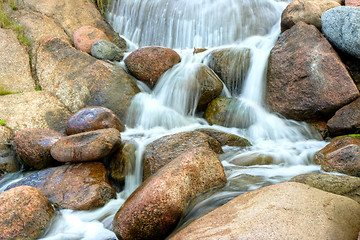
x=287 y=146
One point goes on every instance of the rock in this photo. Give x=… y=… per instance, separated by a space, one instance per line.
x=8 y=162
x=86 y=36
x=346 y=120
x=245 y=182
x=231 y=65
x=308 y=11
x=341 y=26
x=354 y=3
x=229 y=112
x=38 y=109
x=87 y=146
x=209 y=84
x=81 y=186
x=281 y=211
x=25 y=213
x=147 y=64
x=103 y=49
x=165 y=149
x=353 y=66
x=341 y=155
x=14 y=67
x=33 y=146
x=226 y=138
x=249 y=159
x=93 y=118
x=122 y=162
x=163 y=197
x=301 y=79
x=338 y=184
x=80 y=80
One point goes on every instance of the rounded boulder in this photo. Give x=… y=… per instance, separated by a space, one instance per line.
x=86 y=36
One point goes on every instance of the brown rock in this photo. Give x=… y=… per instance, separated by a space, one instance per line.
x=249 y=159
x=80 y=80
x=8 y=162
x=338 y=184
x=33 y=146
x=346 y=120
x=87 y=146
x=354 y=3
x=341 y=155
x=321 y=127
x=154 y=209
x=147 y=64
x=308 y=11
x=86 y=36
x=306 y=79
x=93 y=118
x=231 y=65
x=229 y=112
x=281 y=211
x=162 y=151
x=24 y=213
x=80 y=186
x=38 y=109
x=14 y=67
x=226 y=138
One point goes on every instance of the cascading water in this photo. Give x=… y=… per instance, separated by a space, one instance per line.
x=253 y=26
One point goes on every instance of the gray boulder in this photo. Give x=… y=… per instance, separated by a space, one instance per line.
x=103 y=49
x=341 y=26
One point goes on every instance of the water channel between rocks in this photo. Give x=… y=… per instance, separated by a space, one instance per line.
x=286 y=146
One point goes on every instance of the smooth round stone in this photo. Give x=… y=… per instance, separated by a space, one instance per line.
x=33 y=146
x=88 y=146
x=93 y=118
x=103 y=49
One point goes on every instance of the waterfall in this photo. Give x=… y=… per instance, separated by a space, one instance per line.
x=248 y=29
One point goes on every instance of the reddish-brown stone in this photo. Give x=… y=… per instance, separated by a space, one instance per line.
x=86 y=36
x=93 y=118
x=24 y=213
x=306 y=79
x=162 y=151
x=226 y=138
x=346 y=120
x=33 y=146
x=147 y=64
x=87 y=146
x=353 y=3
x=342 y=155
x=81 y=186
x=154 y=209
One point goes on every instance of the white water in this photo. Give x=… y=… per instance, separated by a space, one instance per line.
x=171 y=106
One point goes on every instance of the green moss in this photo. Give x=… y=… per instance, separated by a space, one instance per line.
x=38 y=89
x=6 y=92
x=2 y=122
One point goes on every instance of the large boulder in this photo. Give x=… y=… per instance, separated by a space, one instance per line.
x=353 y=3
x=38 y=109
x=80 y=186
x=308 y=11
x=341 y=155
x=338 y=184
x=14 y=67
x=147 y=64
x=346 y=120
x=281 y=211
x=341 y=26
x=163 y=150
x=231 y=65
x=93 y=118
x=226 y=138
x=87 y=146
x=33 y=146
x=154 y=209
x=25 y=213
x=80 y=80
x=306 y=79
x=86 y=36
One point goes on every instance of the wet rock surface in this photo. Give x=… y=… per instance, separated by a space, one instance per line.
x=279 y=211
x=306 y=79
x=33 y=146
x=226 y=138
x=25 y=213
x=93 y=118
x=163 y=196
x=80 y=186
x=87 y=146
x=147 y=64
x=163 y=150
x=342 y=155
